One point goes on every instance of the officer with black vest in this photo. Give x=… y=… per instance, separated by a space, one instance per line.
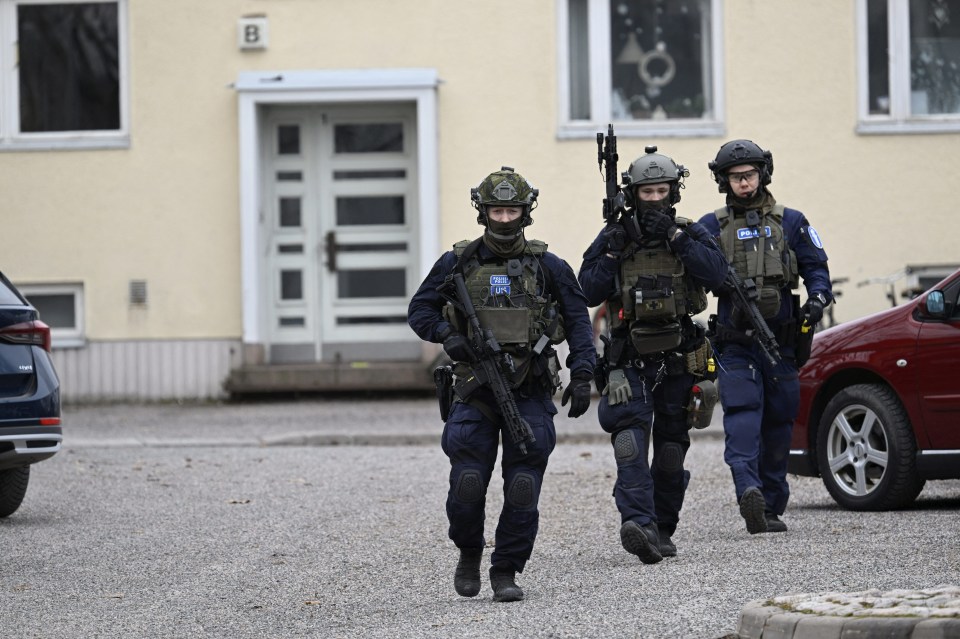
x=773 y=247
x=530 y=300
x=651 y=268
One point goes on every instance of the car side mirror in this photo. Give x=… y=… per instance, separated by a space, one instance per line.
x=934 y=305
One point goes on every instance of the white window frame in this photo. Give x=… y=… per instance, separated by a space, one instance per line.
x=11 y=138
x=600 y=82
x=900 y=119
x=62 y=337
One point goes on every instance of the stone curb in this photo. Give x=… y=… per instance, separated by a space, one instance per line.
x=323 y=439
x=903 y=614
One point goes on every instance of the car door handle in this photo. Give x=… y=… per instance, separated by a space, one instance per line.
x=331 y=248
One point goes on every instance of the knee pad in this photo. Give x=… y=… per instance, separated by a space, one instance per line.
x=522 y=491
x=670 y=457
x=469 y=486
x=625 y=446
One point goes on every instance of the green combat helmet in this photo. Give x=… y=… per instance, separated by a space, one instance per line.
x=504 y=188
x=654 y=168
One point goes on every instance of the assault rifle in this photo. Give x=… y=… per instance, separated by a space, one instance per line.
x=490 y=359
x=745 y=296
x=615 y=202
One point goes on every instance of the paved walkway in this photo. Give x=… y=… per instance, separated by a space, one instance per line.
x=364 y=421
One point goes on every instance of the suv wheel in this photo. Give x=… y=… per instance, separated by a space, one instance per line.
x=866 y=450
x=13 y=486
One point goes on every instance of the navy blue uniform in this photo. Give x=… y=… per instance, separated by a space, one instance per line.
x=646 y=492
x=470 y=438
x=760 y=400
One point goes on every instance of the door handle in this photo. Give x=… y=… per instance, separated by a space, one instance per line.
x=331 y=247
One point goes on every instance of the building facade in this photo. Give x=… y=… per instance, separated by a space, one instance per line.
x=224 y=196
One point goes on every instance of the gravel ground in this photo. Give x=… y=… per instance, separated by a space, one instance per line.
x=181 y=532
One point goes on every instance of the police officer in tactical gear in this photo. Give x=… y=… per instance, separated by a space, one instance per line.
x=530 y=300
x=774 y=247
x=651 y=267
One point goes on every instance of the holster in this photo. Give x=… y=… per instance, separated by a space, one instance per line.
x=803 y=336
x=443 y=380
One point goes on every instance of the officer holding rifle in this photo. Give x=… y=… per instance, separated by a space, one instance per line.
x=499 y=304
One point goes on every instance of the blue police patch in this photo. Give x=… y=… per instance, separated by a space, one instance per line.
x=753 y=233
x=815 y=237
x=500 y=284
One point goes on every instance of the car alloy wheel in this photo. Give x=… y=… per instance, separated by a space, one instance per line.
x=866 y=450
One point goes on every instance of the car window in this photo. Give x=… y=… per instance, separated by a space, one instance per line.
x=950 y=299
x=7 y=296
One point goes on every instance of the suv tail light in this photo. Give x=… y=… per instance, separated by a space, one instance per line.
x=35 y=333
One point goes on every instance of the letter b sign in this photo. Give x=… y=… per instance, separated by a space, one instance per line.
x=252 y=33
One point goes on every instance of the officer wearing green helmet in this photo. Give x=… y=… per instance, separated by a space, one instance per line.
x=528 y=300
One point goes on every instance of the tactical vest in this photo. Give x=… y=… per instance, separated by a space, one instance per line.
x=655 y=290
x=760 y=253
x=511 y=303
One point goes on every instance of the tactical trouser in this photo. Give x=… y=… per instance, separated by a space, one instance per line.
x=671 y=440
x=629 y=425
x=471 y=441
x=759 y=402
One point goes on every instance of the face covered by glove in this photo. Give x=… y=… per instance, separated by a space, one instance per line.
x=579 y=391
x=812 y=311
x=618 y=389
x=657 y=225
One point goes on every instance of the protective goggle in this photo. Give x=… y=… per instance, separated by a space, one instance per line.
x=742 y=176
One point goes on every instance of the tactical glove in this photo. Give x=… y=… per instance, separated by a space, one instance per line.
x=812 y=311
x=458 y=348
x=616 y=238
x=618 y=389
x=579 y=390
x=657 y=226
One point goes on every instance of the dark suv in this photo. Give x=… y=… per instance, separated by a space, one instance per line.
x=880 y=403
x=29 y=396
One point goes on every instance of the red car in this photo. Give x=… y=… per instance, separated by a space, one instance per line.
x=880 y=403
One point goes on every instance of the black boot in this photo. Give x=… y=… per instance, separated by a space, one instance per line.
x=667 y=547
x=752 y=507
x=775 y=524
x=466 y=579
x=503 y=584
x=642 y=541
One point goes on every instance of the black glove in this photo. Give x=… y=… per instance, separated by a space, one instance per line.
x=657 y=226
x=616 y=238
x=458 y=348
x=579 y=389
x=812 y=311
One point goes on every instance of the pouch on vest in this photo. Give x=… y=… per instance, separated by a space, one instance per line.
x=769 y=302
x=654 y=338
x=509 y=325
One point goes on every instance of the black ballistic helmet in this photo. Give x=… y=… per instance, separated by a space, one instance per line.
x=736 y=152
x=654 y=168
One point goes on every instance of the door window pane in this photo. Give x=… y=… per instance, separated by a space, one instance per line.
x=660 y=61
x=69 y=67
x=290 y=212
x=934 y=56
x=354 y=211
x=368 y=138
x=291 y=285
x=372 y=283
x=288 y=139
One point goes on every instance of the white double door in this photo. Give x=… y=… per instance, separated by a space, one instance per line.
x=338 y=223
